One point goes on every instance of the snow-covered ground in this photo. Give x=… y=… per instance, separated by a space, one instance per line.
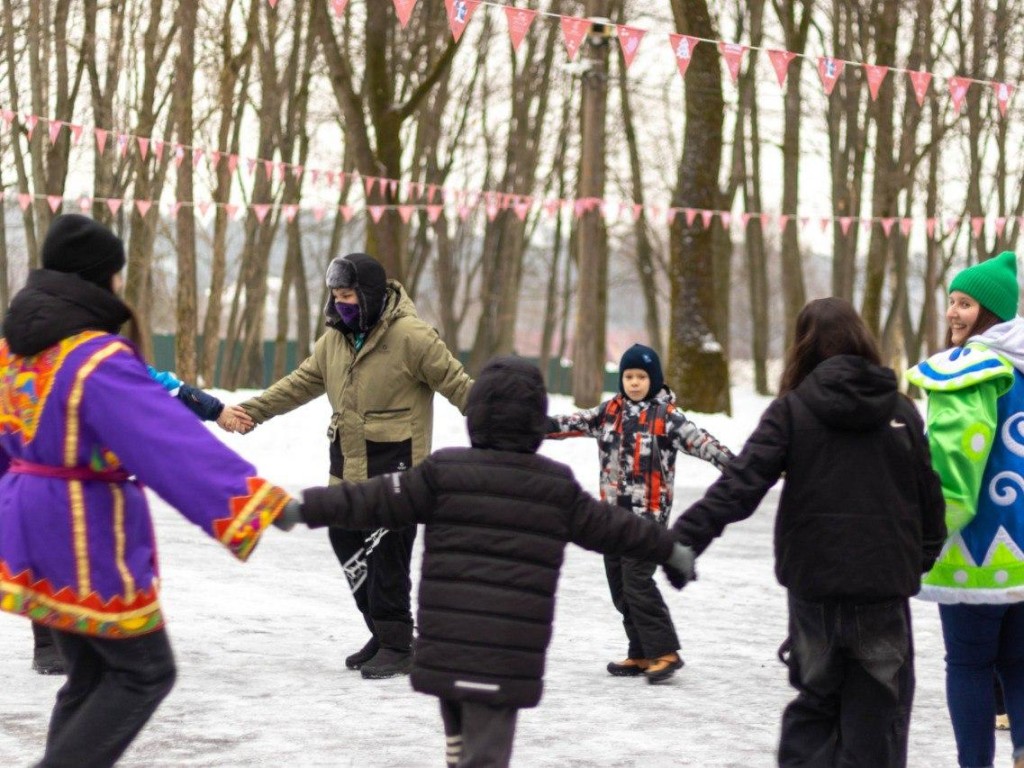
x=261 y=647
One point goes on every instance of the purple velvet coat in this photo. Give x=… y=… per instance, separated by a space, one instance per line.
x=80 y=555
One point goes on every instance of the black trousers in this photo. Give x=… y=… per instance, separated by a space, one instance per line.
x=645 y=616
x=380 y=581
x=853 y=667
x=478 y=735
x=113 y=688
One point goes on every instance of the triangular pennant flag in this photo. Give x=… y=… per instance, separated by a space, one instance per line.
x=824 y=222
x=920 y=81
x=876 y=74
x=829 y=70
x=143 y=146
x=179 y=155
x=952 y=224
x=215 y=157
x=1004 y=92
x=339 y=7
x=431 y=192
x=268 y=169
x=101 y=139
x=232 y=164
x=273 y=3
x=906 y=224
x=24 y=201
x=197 y=157
x=638 y=211
x=865 y=224
x=887 y=225
x=55 y=202
x=844 y=224
x=682 y=47
x=805 y=221
x=203 y=206
x=521 y=208
x=492 y=211
x=233 y=211
x=733 y=55
x=114 y=204
x=1000 y=225
x=629 y=41
x=780 y=61
x=465 y=210
x=84 y=204
x=143 y=206
x=670 y=215
x=76 y=132
x=369 y=182
x=783 y=221
x=404 y=10
x=55 y=130
x=977 y=224
x=405 y=211
x=459 y=14
x=290 y=211
x=297 y=171
x=122 y=143
x=726 y=218
x=958 y=91
x=745 y=218
x=393 y=186
x=261 y=210
x=691 y=214
x=763 y=220
x=30 y=123
x=573 y=31
x=376 y=212
x=250 y=165
x=8 y=115
x=930 y=228
x=173 y=208
x=705 y=218
x=519 y=21
x=282 y=170
x=434 y=212
x=158 y=150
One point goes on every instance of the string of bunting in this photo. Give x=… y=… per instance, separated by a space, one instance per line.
x=575 y=29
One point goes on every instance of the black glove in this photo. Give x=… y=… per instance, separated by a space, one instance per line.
x=290 y=515
x=679 y=568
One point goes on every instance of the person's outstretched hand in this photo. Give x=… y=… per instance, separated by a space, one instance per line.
x=290 y=515
x=234 y=419
x=680 y=567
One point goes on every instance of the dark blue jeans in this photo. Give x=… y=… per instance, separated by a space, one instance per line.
x=113 y=688
x=853 y=667
x=981 y=639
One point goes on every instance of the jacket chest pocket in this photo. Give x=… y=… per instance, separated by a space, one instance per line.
x=388 y=436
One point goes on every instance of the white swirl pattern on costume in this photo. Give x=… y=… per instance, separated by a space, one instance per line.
x=1006 y=495
x=1014 y=422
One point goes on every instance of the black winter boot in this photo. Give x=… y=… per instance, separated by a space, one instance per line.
x=46 y=658
x=363 y=655
x=395 y=655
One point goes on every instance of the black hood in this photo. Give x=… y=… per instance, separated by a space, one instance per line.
x=507 y=407
x=847 y=392
x=55 y=305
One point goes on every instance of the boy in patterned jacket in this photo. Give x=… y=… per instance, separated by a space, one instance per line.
x=639 y=432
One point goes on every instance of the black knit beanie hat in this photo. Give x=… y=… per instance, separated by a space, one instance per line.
x=365 y=275
x=646 y=359
x=79 y=245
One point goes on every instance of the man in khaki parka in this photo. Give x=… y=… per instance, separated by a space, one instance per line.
x=380 y=366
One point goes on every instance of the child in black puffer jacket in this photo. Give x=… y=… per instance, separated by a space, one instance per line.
x=497 y=519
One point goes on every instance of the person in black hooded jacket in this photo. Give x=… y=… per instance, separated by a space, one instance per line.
x=861 y=517
x=497 y=518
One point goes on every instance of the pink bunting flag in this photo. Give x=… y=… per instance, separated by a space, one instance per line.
x=297 y=171
x=521 y=208
x=101 y=139
x=824 y=222
x=158 y=150
x=393 y=186
x=958 y=91
x=573 y=31
x=114 y=204
x=906 y=225
x=670 y=215
x=261 y=210
x=143 y=206
x=376 y=212
x=920 y=81
x=783 y=221
x=347 y=212
x=705 y=218
x=273 y=3
x=465 y=210
x=682 y=47
x=733 y=55
x=629 y=41
x=290 y=211
x=404 y=10
x=329 y=176
x=8 y=115
x=434 y=213
x=55 y=126
x=829 y=70
x=76 y=132
x=369 y=182
x=745 y=218
x=30 y=124
x=250 y=165
x=431 y=192
x=519 y=21
x=492 y=211
x=268 y=169
x=805 y=221
x=725 y=218
x=232 y=164
x=691 y=215
x=233 y=211
x=203 y=206
x=952 y=224
x=780 y=62
x=637 y=212
x=339 y=7
x=977 y=224
x=459 y=14
x=876 y=74
x=844 y=224
x=887 y=224
x=406 y=211
x=122 y=144
x=197 y=156
x=179 y=155
x=763 y=220
x=1000 y=225
x=1004 y=92
x=930 y=228
x=24 y=201
x=85 y=204
x=55 y=202
x=143 y=146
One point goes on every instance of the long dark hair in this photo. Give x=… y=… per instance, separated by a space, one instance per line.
x=825 y=328
x=986 y=319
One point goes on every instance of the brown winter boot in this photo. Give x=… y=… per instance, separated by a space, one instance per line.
x=628 y=668
x=663 y=667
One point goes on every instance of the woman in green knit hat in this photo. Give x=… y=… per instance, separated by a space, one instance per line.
x=976 y=434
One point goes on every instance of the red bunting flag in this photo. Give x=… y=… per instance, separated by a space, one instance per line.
x=829 y=70
x=682 y=47
x=261 y=210
x=519 y=21
x=434 y=213
x=844 y=224
x=521 y=208
x=114 y=204
x=876 y=74
x=55 y=202
x=215 y=157
x=920 y=81
x=393 y=186
x=1004 y=92
x=573 y=31
x=329 y=175
x=24 y=200
x=143 y=206
x=76 y=132
x=459 y=14
x=297 y=170
x=493 y=209
x=376 y=212
x=629 y=41
x=250 y=164
x=404 y=10
x=55 y=130
x=906 y=224
x=958 y=91
x=101 y=140
x=273 y=3
x=930 y=228
x=780 y=61
x=733 y=55
x=339 y=7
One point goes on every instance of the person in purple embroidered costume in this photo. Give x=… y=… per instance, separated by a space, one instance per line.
x=77 y=548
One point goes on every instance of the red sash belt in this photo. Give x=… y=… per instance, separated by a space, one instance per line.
x=22 y=467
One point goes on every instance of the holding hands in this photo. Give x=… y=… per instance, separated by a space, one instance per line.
x=234 y=419
x=679 y=568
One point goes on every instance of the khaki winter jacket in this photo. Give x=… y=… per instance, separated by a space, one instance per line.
x=382 y=396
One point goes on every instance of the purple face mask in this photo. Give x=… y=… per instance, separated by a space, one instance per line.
x=349 y=313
